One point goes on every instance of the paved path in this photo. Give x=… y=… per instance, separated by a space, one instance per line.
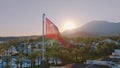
x=57 y=67
x=74 y=65
x=66 y=66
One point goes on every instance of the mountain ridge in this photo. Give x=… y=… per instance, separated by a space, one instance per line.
x=98 y=28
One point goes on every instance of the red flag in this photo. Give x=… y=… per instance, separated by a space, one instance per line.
x=53 y=32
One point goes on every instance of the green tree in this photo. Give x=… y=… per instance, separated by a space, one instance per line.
x=17 y=62
x=21 y=56
x=32 y=57
x=7 y=60
x=74 y=53
x=38 y=55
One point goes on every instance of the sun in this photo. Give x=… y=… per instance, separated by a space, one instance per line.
x=69 y=25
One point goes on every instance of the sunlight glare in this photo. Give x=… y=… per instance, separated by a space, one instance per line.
x=69 y=25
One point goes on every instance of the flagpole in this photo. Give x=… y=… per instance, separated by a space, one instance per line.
x=43 y=40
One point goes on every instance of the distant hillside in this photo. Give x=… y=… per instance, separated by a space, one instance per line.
x=102 y=28
x=20 y=37
x=95 y=29
x=76 y=33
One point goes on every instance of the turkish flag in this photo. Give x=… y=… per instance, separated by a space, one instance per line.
x=53 y=32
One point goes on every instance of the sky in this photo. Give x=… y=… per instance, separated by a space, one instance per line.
x=24 y=17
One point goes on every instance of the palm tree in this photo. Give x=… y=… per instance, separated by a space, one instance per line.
x=81 y=53
x=47 y=56
x=38 y=55
x=17 y=62
x=3 y=48
x=64 y=55
x=7 y=60
x=74 y=53
x=32 y=57
x=21 y=56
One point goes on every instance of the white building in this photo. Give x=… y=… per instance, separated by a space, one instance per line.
x=110 y=40
x=107 y=63
x=116 y=54
x=1 y=42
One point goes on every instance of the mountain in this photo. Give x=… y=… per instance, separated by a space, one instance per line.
x=95 y=28
x=102 y=28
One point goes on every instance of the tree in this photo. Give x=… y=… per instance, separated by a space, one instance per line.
x=32 y=57
x=74 y=53
x=81 y=53
x=21 y=56
x=65 y=56
x=17 y=62
x=7 y=60
x=38 y=55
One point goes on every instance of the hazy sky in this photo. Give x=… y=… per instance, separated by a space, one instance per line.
x=24 y=17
